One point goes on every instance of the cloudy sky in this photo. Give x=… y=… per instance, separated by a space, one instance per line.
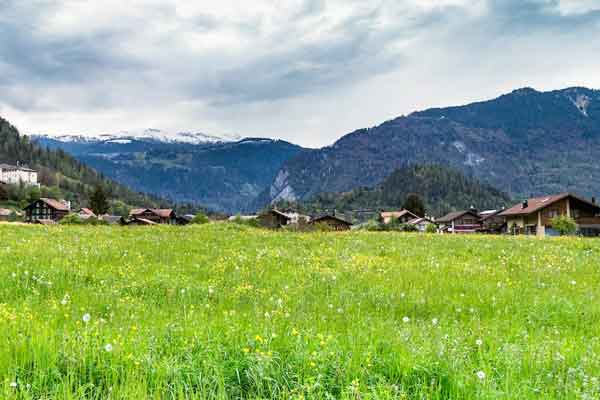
x=308 y=71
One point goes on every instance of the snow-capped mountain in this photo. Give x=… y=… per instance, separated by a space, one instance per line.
x=155 y=135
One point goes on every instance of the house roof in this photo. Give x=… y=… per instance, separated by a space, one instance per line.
x=161 y=212
x=456 y=214
x=330 y=217
x=87 y=211
x=53 y=203
x=15 y=167
x=537 y=203
x=144 y=221
x=397 y=214
x=110 y=219
x=419 y=220
x=489 y=214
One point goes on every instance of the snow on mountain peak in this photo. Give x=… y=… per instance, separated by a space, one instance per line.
x=148 y=134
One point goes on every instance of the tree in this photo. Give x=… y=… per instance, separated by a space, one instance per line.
x=414 y=204
x=564 y=225
x=99 y=201
x=199 y=218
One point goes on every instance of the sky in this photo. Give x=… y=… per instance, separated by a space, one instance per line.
x=307 y=71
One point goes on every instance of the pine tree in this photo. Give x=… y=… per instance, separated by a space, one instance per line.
x=414 y=204
x=99 y=201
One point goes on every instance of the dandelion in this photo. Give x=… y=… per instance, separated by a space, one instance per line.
x=480 y=375
x=406 y=320
x=434 y=321
x=573 y=283
x=108 y=347
x=479 y=342
x=211 y=290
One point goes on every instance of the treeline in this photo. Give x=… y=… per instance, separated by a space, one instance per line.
x=441 y=189
x=61 y=176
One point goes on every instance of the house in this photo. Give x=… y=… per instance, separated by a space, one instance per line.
x=5 y=214
x=402 y=216
x=185 y=219
x=333 y=222
x=422 y=223
x=47 y=209
x=273 y=219
x=86 y=213
x=534 y=216
x=492 y=221
x=467 y=221
x=16 y=174
x=135 y=221
x=156 y=215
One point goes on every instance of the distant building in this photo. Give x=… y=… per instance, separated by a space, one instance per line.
x=110 y=219
x=16 y=174
x=5 y=214
x=421 y=223
x=333 y=222
x=273 y=219
x=86 y=213
x=402 y=216
x=46 y=209
x=492 y=221
x=534 y=216
x=467 y=221
x=156 y=215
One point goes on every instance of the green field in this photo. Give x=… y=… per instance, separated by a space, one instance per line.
x=224 y=311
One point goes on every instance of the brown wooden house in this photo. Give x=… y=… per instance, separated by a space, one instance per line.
x=273 y=219
x=492 y=221
x=46 y=209
x=402 y=216
x=333 y=222
x=156 y=215
x=534 y=216
x=467 y=221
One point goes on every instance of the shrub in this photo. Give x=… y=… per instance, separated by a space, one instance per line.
x=431 y=228
x=253 y=222
x=200 y=219
x=71 y=219
x=564 y=225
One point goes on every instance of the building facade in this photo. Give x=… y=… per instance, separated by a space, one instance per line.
x=46 y=209
x=15 y=174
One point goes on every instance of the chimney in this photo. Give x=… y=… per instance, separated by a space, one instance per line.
x=525 y=204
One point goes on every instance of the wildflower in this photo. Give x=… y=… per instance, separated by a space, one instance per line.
x=480 y=375
x=108 y=347
x=246 y=350
x=479 y=342
x=434 y=321
x=211 y=290
x=573 y=283
x=406 y=320
x=86 y=317
x=13 y=384
x=294 y=332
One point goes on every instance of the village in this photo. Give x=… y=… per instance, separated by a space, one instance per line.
x=533 y=216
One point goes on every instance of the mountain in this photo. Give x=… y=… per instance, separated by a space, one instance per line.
x=60 y=175
x=526 y=143
x=443 y=189
x=223 y=174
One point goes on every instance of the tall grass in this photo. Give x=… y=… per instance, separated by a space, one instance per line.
x=222 y=311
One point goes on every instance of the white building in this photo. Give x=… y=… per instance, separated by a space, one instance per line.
x=13 y=175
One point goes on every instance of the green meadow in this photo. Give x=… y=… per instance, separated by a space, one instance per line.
x=224 y=311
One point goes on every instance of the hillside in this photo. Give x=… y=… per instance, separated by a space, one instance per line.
x=61 y=175
x=442 y=189
x=526 y=143
x=224 y=175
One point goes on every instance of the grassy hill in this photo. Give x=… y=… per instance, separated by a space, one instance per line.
x=60 y=175
x=222 y=311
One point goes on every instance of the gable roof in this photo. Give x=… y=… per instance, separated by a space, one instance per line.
x=330 y=217
x=537 y=203
x=397 y=214
x=419 y=220
x=456 y=214
x=87 y=211
x=53 y=203
x=161 y=212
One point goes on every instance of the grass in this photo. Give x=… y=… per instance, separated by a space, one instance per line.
x=225 y=311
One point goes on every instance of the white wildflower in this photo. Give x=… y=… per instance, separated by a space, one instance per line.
x=434 y=321
x=480 y=375
x=479 y=342
x=86 y=317
x=108 y=347
x=406 y=320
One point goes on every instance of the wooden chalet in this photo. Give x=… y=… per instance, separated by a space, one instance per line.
x=492 y=221
x=46 y=209
x=156 y=215
x=534 y=216
x=467 y=221
x=333 y=222
x=422 y=223
x=273 y=219
x=86 y=213
x=402 y=216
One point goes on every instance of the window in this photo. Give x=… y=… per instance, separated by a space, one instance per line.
x=552 y=213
